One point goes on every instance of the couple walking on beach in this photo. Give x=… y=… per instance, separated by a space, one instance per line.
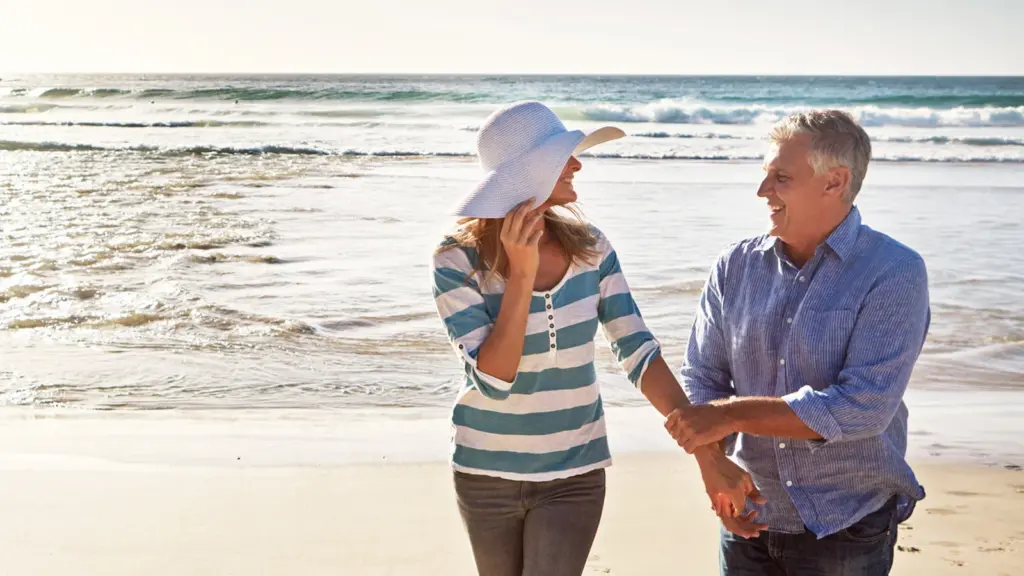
x=791 y=392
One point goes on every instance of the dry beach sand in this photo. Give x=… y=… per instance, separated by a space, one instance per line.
x=291 y=494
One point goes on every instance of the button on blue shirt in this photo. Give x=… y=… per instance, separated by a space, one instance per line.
x=837 y=339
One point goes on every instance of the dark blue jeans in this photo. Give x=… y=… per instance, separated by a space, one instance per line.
x=864 y=549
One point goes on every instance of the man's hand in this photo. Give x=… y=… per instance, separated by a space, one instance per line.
x=727 y=485
x=743 y=525
x=696 y=426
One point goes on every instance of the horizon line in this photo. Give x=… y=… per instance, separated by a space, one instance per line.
x=520 y=74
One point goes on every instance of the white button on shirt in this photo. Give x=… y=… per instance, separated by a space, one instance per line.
x=489 y=417
x=753 y=282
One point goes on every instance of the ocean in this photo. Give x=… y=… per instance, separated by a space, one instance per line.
x=263 y=242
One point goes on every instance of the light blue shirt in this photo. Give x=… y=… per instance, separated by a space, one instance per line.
x=837 y=339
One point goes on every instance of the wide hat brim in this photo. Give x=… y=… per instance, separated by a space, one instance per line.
x=599 y=136
x=531 y=175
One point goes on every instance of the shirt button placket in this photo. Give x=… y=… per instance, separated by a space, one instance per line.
x=785 y=462
x=552 y=334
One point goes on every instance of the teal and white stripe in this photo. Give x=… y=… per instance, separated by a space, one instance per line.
x=549 y=422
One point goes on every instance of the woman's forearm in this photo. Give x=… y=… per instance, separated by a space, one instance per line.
x=503 y=349
x=664 y=392
x=661 y=388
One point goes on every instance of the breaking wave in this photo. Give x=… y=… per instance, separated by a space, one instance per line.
x=725 y=155
x=871 y=116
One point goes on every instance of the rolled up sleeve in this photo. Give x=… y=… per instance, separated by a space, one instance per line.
x=462 y=308
x=886 y=341
x=632 y=343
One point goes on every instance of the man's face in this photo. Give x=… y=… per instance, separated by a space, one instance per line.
x=795 y=195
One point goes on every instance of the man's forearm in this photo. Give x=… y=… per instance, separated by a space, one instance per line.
x=765 y=417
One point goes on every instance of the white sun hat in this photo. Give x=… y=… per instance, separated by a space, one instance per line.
x=522 y=148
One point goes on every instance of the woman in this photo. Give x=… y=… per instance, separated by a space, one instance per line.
x=522 y=288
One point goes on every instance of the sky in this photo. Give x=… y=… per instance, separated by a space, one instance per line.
x=944 y=37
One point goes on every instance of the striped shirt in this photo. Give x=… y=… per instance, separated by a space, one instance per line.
x=837 y=339
x=549 y=422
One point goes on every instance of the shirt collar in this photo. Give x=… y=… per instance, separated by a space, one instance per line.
x=841 y=240
x=767 y=243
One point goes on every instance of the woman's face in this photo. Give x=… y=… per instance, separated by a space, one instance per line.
x=563 y=192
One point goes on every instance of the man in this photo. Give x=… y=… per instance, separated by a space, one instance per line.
x=803 y=344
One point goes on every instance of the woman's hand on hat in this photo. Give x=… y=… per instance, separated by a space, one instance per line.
x=520 y=236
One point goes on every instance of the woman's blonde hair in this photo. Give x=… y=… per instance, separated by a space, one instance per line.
x=566 y=226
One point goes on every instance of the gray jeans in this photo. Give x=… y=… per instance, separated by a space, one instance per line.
x=531 y=528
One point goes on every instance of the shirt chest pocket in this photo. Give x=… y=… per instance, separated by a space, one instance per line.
x=819 y=342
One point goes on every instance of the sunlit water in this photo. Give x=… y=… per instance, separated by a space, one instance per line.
x=139 y=282
x=164 y=246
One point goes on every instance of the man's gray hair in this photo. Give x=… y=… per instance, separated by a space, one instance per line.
x=836 y=140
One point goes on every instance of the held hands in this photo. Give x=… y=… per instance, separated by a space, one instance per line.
x=698 y=429
x=743 y=525
x=521 y=241
x=729 y=486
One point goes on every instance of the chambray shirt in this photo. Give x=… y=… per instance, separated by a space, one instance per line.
x=837 y=339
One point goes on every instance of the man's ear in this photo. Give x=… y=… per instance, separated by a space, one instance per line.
x=838 y=181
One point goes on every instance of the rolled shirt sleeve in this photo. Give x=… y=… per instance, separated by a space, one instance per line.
x=632 y=343
x=887 y=338
x=461 y=307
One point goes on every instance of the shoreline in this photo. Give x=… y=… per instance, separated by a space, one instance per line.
x=946 y=427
